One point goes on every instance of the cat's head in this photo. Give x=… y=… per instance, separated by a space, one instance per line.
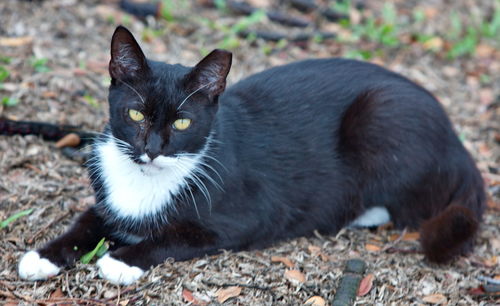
x=161 y=110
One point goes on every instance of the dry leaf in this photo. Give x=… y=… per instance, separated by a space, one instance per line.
x=430 y=12
x=435 y=299
x=411 y=236
x=315 y=301
x=435 y=43
x=483 y=50
x=15 y=41
x=49 y=94
x=227 y=293
x=70 y=140
x=366 y=284
x=486 y=96
x=372 y=247
x=491 y=262
x=124 y=302
x=259 y=3
x=287 y=262
x=314 y=250
x=57 y=294
x=476 y=291
x=188 y=296
x=295 y=275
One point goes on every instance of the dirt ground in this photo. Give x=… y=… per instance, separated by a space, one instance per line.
x=71 y=88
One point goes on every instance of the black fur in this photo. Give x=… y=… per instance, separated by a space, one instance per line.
x=302 y=147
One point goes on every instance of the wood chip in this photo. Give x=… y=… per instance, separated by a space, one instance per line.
x=315 y=301
x=227 y=293
x=435 y=43
x=15 y=41
x=366 y=284
x=70 y=140
x=411 y=236
x=57 y=294
x=287 y=262
x=189 y=297
x=295 y=276
x=435 y=299
x=372 y=247
x=314 y=250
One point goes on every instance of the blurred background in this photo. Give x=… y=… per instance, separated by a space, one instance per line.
x=53 y=67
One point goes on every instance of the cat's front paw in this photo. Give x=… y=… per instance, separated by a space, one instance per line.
x=33 y=267
x=118 y=272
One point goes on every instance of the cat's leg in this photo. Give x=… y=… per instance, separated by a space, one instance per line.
x=181 y=241
x=82 y=237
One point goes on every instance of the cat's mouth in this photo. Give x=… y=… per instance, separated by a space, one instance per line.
x=159 y=163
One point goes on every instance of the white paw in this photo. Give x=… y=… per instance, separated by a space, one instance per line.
x=118 y=272
x=32 y=267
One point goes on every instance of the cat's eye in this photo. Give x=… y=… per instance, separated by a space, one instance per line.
x=135 y=115
x=182 y=124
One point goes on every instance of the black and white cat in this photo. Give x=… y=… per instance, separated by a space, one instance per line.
x=186 y=169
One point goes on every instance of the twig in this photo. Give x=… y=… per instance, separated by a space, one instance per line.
x=132 y=290
x=391 y=245
x=489 y=280
x=43 y=229
x=250 y=286
x=79 y=301
x=349 y=283
x=391 y=250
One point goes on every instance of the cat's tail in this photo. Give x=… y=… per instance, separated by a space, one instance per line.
x=452 y=231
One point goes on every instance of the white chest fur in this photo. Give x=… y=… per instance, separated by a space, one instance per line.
x=137 y=191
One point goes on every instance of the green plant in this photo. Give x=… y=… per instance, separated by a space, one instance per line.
x=383 y=31
x=465 y=45
x=167 y=10
x=231 y=40
x=4 y=73
x=221 y=5
x=5 y=59
x=91 y=100
x=168 y=7
x=100 y=249
x=14 y=217
x=492 y=29
x=342 y=7
x=39 y=64
x=9 y=101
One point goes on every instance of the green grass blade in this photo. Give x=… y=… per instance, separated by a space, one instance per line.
x=98 y=250
x=14 y=217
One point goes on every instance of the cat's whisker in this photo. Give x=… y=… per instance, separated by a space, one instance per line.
x=134 y=90
x=189 y=96
x=200 y=185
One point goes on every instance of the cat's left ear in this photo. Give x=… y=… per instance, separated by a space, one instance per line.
x=209 y=75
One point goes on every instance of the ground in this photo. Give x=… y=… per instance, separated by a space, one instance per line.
x=56 y=52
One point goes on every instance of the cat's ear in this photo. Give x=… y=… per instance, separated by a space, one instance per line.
x=127 y=59
x=209 y=75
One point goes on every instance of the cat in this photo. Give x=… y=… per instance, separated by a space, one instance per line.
x=186 y=168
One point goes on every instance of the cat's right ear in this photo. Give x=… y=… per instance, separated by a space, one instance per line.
x=127 y=59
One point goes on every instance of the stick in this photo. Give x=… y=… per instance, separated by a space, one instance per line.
x=349 y=283
x=250 y=286
x=43 y=229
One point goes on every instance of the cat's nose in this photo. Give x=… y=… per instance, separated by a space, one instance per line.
x=153 y=145
x=152 y=154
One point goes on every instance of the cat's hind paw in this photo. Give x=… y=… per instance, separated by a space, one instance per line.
x=118 y=272
x=33 y=267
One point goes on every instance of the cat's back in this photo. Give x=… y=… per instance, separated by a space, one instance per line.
x=308 y=80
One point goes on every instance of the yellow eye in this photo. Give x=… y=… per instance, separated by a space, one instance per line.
x=182 y=124
x=135 y=115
